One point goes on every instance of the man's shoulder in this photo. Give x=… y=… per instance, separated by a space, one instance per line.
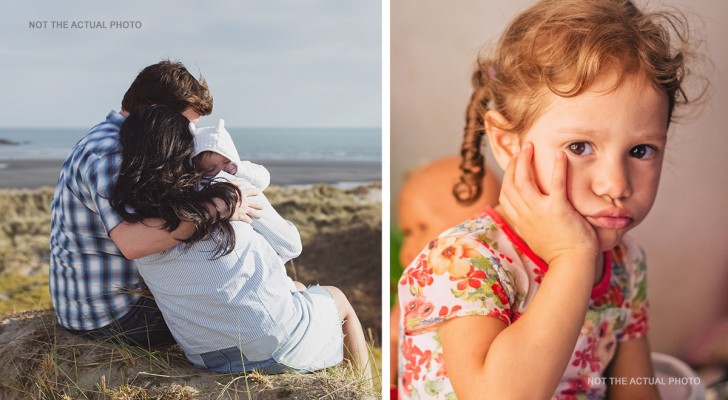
x=104 y=134
x=101 y=140
x=99 y=149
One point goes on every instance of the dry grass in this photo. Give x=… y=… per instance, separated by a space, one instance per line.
x=42 y=361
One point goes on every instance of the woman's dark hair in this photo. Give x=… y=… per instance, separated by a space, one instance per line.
x=157 y=180
x=168 y=83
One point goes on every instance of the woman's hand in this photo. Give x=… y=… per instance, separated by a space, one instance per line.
x=548 y=223
x=246 y=209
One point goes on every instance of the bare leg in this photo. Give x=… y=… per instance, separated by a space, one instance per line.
x=355 y=346
x=299 y=286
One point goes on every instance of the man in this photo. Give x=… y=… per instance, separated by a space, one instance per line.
x=96 y=289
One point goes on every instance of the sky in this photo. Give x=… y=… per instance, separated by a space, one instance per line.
x=282 y=63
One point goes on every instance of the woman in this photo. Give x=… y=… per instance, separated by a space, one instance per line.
x=224 y=292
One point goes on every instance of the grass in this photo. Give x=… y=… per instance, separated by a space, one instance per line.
x=42 y=361
x=23 y=292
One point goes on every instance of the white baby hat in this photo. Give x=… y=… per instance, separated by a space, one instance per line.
x=217 y=139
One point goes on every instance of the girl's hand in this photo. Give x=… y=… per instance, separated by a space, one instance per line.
x=549 y=224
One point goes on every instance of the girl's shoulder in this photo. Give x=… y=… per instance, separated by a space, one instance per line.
x=629 y=265
x=481 y=224
x=630 y=255
x=470 y=269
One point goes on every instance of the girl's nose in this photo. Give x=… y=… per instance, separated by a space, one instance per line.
x=613 y=179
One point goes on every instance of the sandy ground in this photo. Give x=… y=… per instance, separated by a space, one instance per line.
x=37 y=173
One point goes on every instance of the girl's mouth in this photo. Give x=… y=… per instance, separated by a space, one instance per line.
x=610 y=222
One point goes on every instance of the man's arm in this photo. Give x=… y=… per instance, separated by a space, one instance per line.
x=140 y=239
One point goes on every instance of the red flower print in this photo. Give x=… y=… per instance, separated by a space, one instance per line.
x=405 y=382
x=539 y=275
x=409 y=350
x=578 y=385
x=586 y=357
x=613 y=296
x=616 y=296
x=415 y=359
x=444 y=311
x=440 y=360
x=498 y=290
x=474 y=278
x=638 y=326
x=418 y=307
x=419 y=273
x=502 y=315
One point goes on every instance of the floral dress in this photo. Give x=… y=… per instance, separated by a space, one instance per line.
x=481 y=267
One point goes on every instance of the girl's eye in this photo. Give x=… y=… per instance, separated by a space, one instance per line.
x=642 y=151
x=581 y=149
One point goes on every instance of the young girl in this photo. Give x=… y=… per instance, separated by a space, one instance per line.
x=544 y=296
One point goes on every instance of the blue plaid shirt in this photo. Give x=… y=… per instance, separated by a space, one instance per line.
x=90 y=279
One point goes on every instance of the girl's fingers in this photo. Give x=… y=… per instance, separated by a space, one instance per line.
x=509 y=188
x=558 y=176
x=508 y=208
x=508 y=175
x=521 y=174
x=524 y=171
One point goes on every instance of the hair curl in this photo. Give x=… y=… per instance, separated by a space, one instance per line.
x=157 y=180
x=563 y=46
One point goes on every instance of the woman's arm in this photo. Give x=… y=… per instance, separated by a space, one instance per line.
x=281 y=234
x=526 y=359
x=632 y=360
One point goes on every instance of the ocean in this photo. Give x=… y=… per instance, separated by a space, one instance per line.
x=289 y=144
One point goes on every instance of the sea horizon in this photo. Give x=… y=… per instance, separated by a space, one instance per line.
x=294 y=156
x=253 y=143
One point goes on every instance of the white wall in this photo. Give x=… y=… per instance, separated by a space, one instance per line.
x=434 y=45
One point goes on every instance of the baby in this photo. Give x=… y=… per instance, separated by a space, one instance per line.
x=217 y=157
x=215 y=152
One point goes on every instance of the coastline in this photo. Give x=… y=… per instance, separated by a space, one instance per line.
x=31 y=174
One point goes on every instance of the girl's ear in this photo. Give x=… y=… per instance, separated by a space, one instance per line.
x=504 y=144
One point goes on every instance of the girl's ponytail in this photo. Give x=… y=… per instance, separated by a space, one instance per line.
x=470 y=186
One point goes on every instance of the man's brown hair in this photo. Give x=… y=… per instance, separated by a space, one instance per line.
x=168 y=83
